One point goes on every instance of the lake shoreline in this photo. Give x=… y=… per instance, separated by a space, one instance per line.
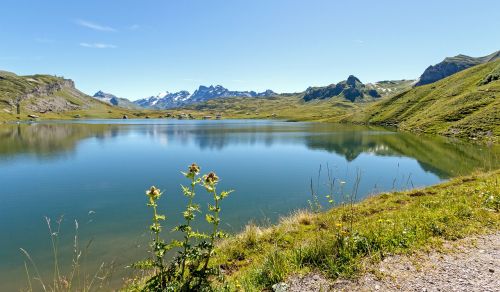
x=469 y=203
x=160 y=115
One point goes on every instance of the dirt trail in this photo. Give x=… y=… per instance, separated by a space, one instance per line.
x=473 y=265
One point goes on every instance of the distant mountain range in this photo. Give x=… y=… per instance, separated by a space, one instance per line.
x=167 y=99
x=115 y=101
x=351 y=89
x=452 y=65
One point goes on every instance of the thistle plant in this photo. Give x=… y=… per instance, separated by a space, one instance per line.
x=210 y=183
x=190 y=270
x=189 y=214
x=158 y=245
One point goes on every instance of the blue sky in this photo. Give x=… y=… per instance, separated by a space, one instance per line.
x=135 y=48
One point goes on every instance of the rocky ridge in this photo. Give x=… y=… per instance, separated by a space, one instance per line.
x=452 y=65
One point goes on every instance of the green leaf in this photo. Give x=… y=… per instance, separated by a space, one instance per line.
x=224 y=194
x=186 y=191
x=210 y=218
x=160 y=217
x=199 y=235
x=143 y=265
x=188 y=215
x=175 y=243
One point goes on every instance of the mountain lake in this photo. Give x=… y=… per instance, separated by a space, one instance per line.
x=95 y=172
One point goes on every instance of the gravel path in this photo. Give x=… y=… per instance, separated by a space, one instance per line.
x=466 y=265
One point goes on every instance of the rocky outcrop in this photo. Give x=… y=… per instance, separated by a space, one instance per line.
x=493 y=76
x=54 y=103
x=452 y=65
x=43 y=98
x=50 y=88
x=38 y=94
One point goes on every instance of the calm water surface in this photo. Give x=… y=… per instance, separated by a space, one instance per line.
x=96 y=172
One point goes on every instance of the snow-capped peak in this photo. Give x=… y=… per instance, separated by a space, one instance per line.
x=203 y=93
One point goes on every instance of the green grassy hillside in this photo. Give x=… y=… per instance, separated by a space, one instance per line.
x=287 y=107
x=48 y=97
x=337 y=242
x=466 y=104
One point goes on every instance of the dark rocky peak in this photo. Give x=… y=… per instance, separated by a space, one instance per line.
x=351 y=89
x=353 y=81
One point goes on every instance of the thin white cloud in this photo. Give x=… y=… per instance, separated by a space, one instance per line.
x=134 y=27
x=359 y=41
x=94 y=26
x=97 y=45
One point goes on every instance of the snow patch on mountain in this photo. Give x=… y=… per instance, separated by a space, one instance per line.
x=203 y=93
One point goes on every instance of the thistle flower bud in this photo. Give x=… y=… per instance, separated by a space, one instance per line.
x=153 y=193
x=211 y=178
x=194 y=169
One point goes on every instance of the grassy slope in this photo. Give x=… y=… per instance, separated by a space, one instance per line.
x=13 y=86
x=458 y=105
x=336 y=242
x=291 y=108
